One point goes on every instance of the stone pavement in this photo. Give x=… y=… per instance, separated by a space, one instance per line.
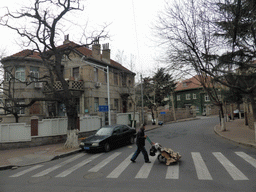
x=236 y=131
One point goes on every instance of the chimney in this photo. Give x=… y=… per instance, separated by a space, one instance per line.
x=96 y=50
x=106 y=53
x=66 y=39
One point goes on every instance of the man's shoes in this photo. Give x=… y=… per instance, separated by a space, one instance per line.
x=147 y=161
x=133 y=161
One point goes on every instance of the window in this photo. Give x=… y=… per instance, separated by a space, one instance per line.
x=184 y=84
x=77 y=104
x=116 y=78
x=194 y=96
x=8 y=72
x=95 y=74
x=116 y=104
x=34 y=73
x=96 y=104
x=178 y=97
x=106 y=75
x=188 y=96
x=106 y=101
x=20 y=73
x=206 y=98
x=76 y=73
x=124 y=78
x=20 y=110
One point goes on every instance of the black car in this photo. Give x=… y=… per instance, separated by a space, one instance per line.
x=109 y=137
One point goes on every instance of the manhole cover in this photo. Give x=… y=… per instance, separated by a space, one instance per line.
x=93 y=175
x=39 y=179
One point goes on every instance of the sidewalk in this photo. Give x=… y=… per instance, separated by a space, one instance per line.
x=236 y=131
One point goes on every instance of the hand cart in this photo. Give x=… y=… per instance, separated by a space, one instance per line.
x=166 y=155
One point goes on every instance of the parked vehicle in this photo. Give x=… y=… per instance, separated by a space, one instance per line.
x=109 y=137
x=236 y=113
x=159 y=122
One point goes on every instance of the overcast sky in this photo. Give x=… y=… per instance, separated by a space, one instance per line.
x=130 y=28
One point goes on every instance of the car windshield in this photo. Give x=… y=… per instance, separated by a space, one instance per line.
x=104 y=131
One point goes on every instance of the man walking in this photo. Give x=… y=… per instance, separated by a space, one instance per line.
x=140 y=142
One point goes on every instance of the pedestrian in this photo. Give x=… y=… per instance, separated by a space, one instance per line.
x=140 y=142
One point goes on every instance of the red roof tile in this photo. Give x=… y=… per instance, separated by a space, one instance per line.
x=81 y=49
x=27 y=53
x=192 y=83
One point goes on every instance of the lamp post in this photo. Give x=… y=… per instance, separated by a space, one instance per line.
x=103 y=69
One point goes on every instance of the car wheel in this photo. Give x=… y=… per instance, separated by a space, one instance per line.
x=132 y=140
x=107 y=147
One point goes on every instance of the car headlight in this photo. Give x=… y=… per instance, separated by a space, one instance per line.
x=95 y=144
x=82 y=144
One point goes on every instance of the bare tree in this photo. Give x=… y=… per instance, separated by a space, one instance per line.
x=42 y=30
x=189 y=31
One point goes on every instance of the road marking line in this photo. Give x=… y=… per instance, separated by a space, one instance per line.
x=70 y=170
x=45 y=172
x=234 y=172
x=247 y=158
x=145 y=169
x=26 y=171
x=104 y=162
x=201 y=168
x=172 y=171
x=120 y=168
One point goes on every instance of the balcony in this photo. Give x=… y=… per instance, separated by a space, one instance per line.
x=72 y=85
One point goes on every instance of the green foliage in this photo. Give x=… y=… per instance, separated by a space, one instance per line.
x=157 y=88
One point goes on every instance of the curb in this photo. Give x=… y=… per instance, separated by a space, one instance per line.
x=238 y=142
x=5 y=167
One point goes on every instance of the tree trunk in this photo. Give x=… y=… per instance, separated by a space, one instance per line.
x=223 y=124
x=173 y=108
x=72 y=132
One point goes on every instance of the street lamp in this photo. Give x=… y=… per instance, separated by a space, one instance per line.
x=103 y=69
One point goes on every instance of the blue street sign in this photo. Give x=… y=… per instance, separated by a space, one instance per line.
x=163 y=113
x=103 y=108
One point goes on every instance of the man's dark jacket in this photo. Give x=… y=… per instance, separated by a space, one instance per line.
x=140 y=139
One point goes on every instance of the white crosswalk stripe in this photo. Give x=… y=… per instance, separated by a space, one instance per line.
x=247 y=158
x=26 y=171
x=234 y=172
x=45 y=172
x=120 y=168
x=104 y=162
x=145 y=169
x=172 y=171
x=201 y=169
x=70 y=170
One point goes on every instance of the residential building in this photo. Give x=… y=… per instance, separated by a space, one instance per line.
x=85 y=70
x=190 y=94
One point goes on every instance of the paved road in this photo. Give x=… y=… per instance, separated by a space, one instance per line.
x=208 y=163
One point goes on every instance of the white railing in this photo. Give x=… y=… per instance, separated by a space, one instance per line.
x=123 y=118
x=16 y=132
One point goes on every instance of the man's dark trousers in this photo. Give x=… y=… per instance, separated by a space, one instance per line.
x=137 y=152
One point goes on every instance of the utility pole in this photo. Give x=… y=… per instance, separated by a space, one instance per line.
x=142 y=103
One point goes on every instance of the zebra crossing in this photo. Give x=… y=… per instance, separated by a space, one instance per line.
x=172 y=171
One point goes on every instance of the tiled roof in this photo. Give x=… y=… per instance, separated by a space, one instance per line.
x=27 y=53
x=192 y=83
x=81 y=49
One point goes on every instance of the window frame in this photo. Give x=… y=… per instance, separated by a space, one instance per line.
x=22 y=73
x=188 y=96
